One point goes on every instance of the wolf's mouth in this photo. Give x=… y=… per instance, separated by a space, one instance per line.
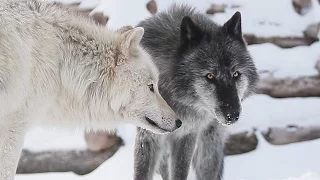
x=152 y=123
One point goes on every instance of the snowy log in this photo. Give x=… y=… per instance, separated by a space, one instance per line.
x=304 y=86
x=291 y=134
x=283 y=42
x=241 y=143
x=79 y=162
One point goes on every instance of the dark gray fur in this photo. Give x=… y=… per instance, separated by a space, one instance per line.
x=186 y=46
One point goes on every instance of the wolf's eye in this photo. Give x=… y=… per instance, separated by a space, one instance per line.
x=210 y=76
x=236 y=74
x=151 y=87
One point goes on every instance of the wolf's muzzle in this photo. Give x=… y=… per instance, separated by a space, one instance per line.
x=231 y=114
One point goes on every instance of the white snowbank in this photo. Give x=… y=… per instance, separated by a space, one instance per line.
x=270 y=162
x=272 y=17
x=306 y=176
x=54 y=139
x=261 y=111
x=291 y=62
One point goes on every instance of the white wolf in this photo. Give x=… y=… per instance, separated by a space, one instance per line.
x=57 y=68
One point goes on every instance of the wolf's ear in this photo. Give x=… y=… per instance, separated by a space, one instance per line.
x=233 y=25
x=124 y=29
x=131 y=37
x=190 y=34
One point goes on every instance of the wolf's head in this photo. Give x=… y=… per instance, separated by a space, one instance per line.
x=135 y=92
x=216 y=65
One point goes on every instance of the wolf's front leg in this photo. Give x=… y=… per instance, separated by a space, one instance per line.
x=182 y=150
x=11 y=142
x=208 y=159
x=146 y=154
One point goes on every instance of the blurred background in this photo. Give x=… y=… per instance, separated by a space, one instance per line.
x=277 y=137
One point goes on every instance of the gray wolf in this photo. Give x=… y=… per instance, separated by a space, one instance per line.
x=60 y=69
x=205 y=73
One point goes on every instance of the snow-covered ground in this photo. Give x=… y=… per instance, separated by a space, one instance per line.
x=299 y=161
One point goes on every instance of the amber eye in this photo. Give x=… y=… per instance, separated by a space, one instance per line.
x=236 y=74
x=151 y=87
x=210 y=76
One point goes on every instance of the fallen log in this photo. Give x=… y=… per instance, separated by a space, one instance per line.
x=304 y=86
x=79 y=162
x=283 y=42
x=291 y=134
x=241 y=143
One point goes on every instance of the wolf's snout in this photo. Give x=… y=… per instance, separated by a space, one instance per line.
x=231 y=114
x=178 y=123
x=232 y=117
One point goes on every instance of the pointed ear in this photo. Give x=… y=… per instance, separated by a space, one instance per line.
x=124 y=29
x=131 y=38
x=233 y=25
x=190 y=34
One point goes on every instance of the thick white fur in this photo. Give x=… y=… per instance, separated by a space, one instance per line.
x=57 y=68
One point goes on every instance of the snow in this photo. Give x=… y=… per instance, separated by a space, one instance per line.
x=272 y=17
x=298 y=161
x=271 y=162
x=54 y=139
x=277 y=112
x=297 y=61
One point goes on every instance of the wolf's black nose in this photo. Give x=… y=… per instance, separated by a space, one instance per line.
x=178 y=123
x=233 y=116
